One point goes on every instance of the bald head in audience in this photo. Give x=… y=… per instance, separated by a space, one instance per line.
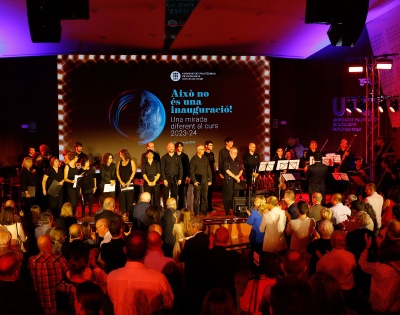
x=221 y=236
x=75 y=232
x=109 y=204
x=136 y=246
x=156 y=228
x=293 y=263
x=44 y=244
x=9 y=266
x=102 y=227
x=154 y=241
x=145 y=197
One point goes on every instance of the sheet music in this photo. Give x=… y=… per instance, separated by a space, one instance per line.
x=109 y=188
x=76 y=180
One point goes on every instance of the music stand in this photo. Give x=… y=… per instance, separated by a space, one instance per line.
x=294 y=164
x=282 y=165
x=266 y=166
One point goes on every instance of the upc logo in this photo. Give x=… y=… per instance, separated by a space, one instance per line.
x=175 y=76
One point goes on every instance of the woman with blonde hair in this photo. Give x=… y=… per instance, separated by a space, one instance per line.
x=256 y=237
x=273 y=224
x=58 y=236
x=181 y=230
x=15 y=228
x=66 y=218
x=28 y=182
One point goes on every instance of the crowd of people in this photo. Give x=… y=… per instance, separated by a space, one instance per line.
x=337 y=256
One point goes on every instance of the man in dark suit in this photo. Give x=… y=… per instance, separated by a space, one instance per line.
x=108 y=210
x=316 y=175
x=222 y=265
x=290 y=199
x=194 y=255
x=167 y=222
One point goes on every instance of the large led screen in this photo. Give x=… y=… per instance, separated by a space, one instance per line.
x=114 y=102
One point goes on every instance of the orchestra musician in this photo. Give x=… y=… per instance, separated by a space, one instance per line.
x=251 y=161
x=346 y=157
x=359 y=170
x=277 y=174
x=313 y=149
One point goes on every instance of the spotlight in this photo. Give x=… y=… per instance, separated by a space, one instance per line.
x=384 y=64
x=349 y=106
x=394 y=105
x=360 y=106
x=382 y=105
x=356 y=68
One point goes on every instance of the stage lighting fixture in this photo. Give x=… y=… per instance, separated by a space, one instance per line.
x=349 y=106
x=394 y=105
x=382 y=105
x=384 y=64
x=356 y=68
x=360 y=106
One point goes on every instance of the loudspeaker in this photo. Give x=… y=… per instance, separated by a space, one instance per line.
x=43 y=20
x=347 y=18
x=73 y=9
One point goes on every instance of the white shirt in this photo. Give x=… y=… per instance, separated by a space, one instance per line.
x=340 y=213
x=273 y=223
x=376 y=201
x=137 y=290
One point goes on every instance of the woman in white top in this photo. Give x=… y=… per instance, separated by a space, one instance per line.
x=15 y=228
x=273 y=224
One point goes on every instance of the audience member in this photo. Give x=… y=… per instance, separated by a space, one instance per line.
x=269 y=270
x=375 y=200
x=340 y=212
x=321 y=245
x=16 y=298
x=138 y=213
x=218 y=302
x=314 y=212
x=292 y=295
x=135 y=289
x=47 y=269
x=167 y=222
x=181 y=230
x=89 y=299
x=328 y=295
x=45 y=224
x=221 y=264
x=66 y=218
x=339 y=263
x=290 y=200
x=15 y=228
x=385 y=289
x=75 y=241
x=273 y=224
x=58 y=236
x=300 y=229
x=194 y=254
x=108 y=210
x=113 y=252
x=155 y=258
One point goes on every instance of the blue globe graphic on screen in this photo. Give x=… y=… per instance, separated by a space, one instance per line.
x=137 y=115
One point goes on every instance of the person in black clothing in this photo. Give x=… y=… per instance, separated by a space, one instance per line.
x=113 y=253
x=223 y=154
x=222 y=264
x=16 y=298
x=149 y=146
x=88 y=185
x=201 y=176
x=54 y=173
x=29 y=183
x=171 y=172
x=316 y=175
x=167 y=222
x=182 y=187
x=151 y=172
x=251 y=161
x=70 y=171
x=209 y=145
x=78 y=151
x=233 y=172
x=108 y=175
